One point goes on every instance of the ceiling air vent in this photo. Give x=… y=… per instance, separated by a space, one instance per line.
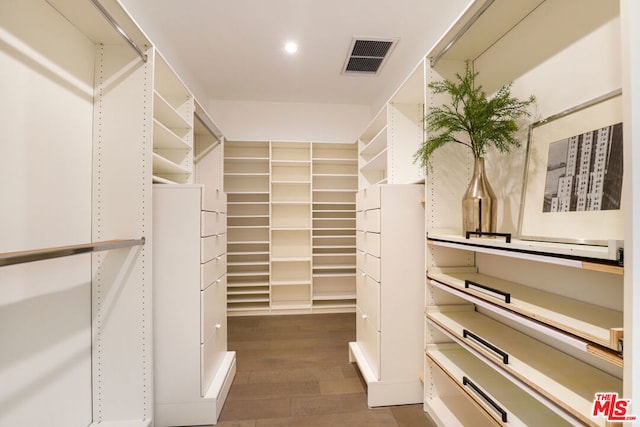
x=368 y=54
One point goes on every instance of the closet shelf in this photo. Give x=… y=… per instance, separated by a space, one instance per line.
x=377 y=145
x=163 y=166
x=511 y=405
x=591 y=323
x=166 y=114
x=166 y=139
x=599 y=258
x=377 y=163
x=554 y=376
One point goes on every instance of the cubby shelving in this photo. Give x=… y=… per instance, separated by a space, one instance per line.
x=335 y=182
x=246 y=179
x=547 y=320
x=173 y=123
x=387 y=145
x=291 y=226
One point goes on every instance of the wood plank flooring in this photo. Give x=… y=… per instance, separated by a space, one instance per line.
x=295 y=371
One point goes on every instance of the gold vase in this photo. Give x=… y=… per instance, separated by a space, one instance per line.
x=479 y=205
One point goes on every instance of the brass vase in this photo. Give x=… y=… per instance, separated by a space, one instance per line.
x=479 y=205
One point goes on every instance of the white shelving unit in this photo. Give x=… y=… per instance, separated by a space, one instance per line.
x=290 y=226
x=291 y=210
x=387 y=145
x=545 y=320
x=246 y=182
x=335 y=182
x=76 y=106
x=173 y=113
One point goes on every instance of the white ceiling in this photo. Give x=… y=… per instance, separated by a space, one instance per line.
x=234 y=49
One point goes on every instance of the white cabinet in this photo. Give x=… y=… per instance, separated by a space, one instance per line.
x=193 y=369
x=390 y=292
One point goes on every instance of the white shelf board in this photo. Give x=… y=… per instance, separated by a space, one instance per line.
x=164 y=112
x=554 y=253
x=568 y=384
x=479 y=27
x=165 y=138
x=164 y=166
x=588 y=321
x=376 y=146
x=378 y=163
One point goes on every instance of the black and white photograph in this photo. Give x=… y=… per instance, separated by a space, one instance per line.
x=584 y=172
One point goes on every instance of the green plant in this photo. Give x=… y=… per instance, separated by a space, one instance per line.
x=485 y=121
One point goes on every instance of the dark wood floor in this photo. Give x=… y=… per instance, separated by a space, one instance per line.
x=295 y=371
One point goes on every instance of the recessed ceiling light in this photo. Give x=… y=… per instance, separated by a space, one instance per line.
x=291 y=47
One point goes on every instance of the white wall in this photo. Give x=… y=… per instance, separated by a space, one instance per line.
x=288 y=121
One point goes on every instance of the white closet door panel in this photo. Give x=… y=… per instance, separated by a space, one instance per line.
x=213 y=223
x=369 y=341
x=212 y=270
x=213 y=247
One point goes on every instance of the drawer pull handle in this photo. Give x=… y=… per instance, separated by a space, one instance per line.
x=218 y=326
x=364 y=316
x=467 y=382
x=506 y=295
x=468 y=334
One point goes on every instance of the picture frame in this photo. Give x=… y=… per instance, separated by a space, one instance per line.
x=572 y=186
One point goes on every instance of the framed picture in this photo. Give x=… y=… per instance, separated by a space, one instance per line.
x=572 y=190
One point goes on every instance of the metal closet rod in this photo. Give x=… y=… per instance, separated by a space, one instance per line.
x=12 y=258
x=119 y=29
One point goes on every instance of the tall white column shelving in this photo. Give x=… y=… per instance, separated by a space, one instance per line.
x=334 y=183
x=246 y=182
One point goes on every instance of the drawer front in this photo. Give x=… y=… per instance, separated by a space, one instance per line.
x=369 y=264
x=213 y=247
x=368 y=242
x=371 y=218
x=368 y=198
x=214 y=200
x=359 y=220
x=212 y=354
x=213 y=301
x=368 y=294
x=368 y=339
x=212 y=270
x=213 y=223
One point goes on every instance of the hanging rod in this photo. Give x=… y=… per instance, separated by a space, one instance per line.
x=11 y=258
x=119 y=29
